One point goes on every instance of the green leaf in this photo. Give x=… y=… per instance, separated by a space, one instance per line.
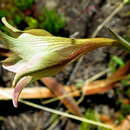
x=122 y=41
x=115 y=62
x=118 y=61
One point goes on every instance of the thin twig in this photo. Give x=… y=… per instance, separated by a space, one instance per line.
x=59 y=112
x=96 y=76
x=77 y=92
x=42 y=92
x=65 y=114
x=38 y=93
x=113 y=13
x=74 y=93
x=53 y=125
x=117 y=9
x=72 y=76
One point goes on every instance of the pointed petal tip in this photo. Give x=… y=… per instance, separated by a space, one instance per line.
x=15 y=104
x=15 y=98
x=18 y=88
x=3 y=19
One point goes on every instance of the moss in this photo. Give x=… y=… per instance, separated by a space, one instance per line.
x=52 y=21
x=115 y=62
x=91 y=115
x=31 y=22
x=126 y=81
x=3 y=13
x=125 y=109
x=23 y=4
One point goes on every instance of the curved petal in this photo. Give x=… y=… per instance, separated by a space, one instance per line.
x=9 y=26
x=15 y=67
x=37 y=32
x=12 y=59
x=19 y=86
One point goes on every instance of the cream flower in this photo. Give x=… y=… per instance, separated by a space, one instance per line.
x=36 y=53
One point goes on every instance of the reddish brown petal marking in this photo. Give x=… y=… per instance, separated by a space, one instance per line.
x=81 y=51
x=19 y=86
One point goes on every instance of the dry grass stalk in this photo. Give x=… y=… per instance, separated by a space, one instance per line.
x=101 y=86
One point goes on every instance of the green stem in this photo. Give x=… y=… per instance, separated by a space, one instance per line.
x=66 y=114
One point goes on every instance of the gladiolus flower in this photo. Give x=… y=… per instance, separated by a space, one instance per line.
x=36 y=53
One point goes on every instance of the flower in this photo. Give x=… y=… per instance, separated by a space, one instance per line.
x=36 y=53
